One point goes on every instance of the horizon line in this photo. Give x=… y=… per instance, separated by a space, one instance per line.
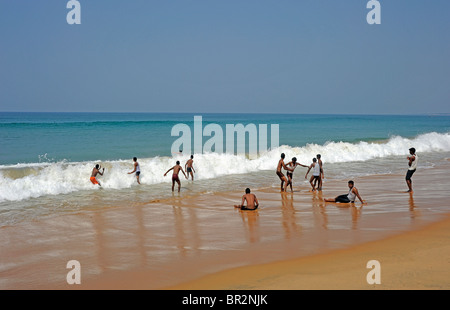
x=262 y=113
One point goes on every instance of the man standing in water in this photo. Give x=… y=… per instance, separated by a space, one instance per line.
x=292 y=164
x=319 y=160
x=280 y=174
x=316 y=174
x=137 y=169
x=176 y=170
x=96 y=171
x=189 y=167
x=412 y=163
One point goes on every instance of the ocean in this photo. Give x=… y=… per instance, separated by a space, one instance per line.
x=46 y=158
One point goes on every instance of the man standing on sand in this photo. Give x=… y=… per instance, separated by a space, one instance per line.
x=252 y=201
x=189 y=167
x=280 y=174
x=316 y=174
x=319 y=160
x=137 y=169
x=96 y=171
x=176 y=170
x=412 y=163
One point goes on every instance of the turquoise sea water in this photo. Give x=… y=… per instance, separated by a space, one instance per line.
x=53 y=137
x=46 y=158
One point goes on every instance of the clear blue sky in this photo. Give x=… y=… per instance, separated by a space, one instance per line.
x=315 y=56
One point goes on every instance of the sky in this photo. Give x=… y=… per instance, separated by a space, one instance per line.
x=225 y=56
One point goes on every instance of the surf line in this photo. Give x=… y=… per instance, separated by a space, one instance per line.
x=257 y=138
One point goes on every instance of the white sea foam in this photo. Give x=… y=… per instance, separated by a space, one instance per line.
x=24 y=181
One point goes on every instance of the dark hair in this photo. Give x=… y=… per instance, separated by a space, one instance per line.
x=192 y=156
x=413 y=150
x=178 y=162
x=134 y=158
x=294 y=159
x=96 y=166
x=314 y=159
x=318 y=155
x=282 y=155
x=351 y=182
x=247 y=190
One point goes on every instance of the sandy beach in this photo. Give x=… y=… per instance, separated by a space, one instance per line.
x=417 y=260
x=293 y=241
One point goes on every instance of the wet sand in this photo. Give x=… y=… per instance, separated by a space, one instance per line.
x=417 y=260
x=293 y=241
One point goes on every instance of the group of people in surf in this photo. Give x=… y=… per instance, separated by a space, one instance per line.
x=249 y=200
x=137 y=171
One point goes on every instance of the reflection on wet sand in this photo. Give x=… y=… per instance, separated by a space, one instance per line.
x=250 y=219
x=288 y=215
x=412 y=207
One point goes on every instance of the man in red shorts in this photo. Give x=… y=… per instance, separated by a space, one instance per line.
x=176 y=170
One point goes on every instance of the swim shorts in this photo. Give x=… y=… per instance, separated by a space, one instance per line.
x=175 y=177
x=247 y=209
x=343 y=198
x=94 y=180
x=409 y=174
x=188 y=169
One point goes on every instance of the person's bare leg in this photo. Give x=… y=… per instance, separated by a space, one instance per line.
x=311 y=182
x=409 y=183
x=330 y=200
x=285 y=180
x=179 y=185
x=173 y=184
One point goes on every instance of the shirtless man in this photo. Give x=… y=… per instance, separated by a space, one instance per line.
x=319 y=160
x=189 y=167
x=176 y=170
x=96 y=171
x=252 y=201
x=292 y=164
x=348 y=198
x=316 y=174
x=136 y=169
x=280 y=174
